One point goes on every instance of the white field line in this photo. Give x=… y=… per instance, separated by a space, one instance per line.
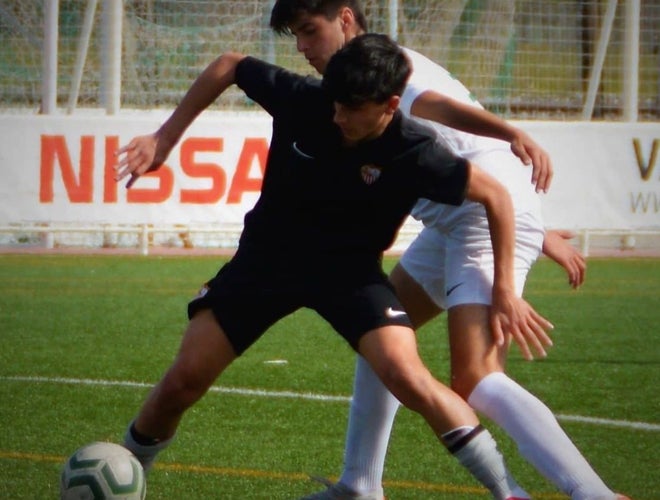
x=644 y=426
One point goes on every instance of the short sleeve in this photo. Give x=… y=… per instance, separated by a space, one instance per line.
x=273 y=88
x=444 y=176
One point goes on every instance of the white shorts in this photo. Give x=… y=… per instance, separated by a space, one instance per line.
x=456 y=267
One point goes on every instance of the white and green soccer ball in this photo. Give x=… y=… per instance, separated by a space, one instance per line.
x=102 y=471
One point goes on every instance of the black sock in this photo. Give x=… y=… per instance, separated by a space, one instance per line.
x=141 y=439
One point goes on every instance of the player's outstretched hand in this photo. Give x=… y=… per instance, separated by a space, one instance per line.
x=138 y=157
x=529 y=152
x=512 y=315
x=557 y=247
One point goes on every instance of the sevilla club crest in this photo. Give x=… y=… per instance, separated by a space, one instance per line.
x=370 y=173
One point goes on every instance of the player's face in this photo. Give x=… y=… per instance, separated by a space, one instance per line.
x=318 y=38
x=364 y=122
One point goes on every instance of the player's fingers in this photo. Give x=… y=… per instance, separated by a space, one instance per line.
x=540 y=338
x=523 y=345
x=519 y=150
x=124 y=149
x=126 y=166
x=541 y=323
x=544 y=173
x=131 y=181
x=534 y=339
x=547 y=181
x=579 y=271
x=583 y=271
x=565 y=233
x=525 y=157
x=576 y=276
x=534 y=333
x=498 y=333
x=538 y=173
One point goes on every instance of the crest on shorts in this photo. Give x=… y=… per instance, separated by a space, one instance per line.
x=370 y=173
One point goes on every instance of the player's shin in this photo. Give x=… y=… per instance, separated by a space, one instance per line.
x=370 y=422
x=539 y=437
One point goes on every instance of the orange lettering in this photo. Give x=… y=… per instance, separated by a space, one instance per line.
x=202 y=170
x=109 y=184
x=253 y=147
x=53 y=147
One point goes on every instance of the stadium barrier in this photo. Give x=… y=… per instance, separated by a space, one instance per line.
x=144 y=238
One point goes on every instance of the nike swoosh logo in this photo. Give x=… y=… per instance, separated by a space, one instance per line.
x=453 y=288
x=301 y=153
x=393 y=313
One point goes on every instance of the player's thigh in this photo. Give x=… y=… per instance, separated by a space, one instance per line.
x=355 y=308
x=245 y=300
x=415 y=300
x=388 y=347
x=391 y=351
x=419 y=276
x=474 y=353
x=470 y=263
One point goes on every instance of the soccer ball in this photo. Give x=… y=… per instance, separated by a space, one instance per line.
x=102 y=471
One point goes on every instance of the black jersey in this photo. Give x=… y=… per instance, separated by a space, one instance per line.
x=323 y=200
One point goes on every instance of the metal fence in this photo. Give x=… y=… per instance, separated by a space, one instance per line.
x=534 y=59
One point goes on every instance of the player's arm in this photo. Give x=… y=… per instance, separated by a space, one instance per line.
x=509 y=313
x=148 y=152
x=440 y=108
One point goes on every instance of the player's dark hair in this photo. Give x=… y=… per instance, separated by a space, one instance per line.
x=369 y=68
x=285 y=12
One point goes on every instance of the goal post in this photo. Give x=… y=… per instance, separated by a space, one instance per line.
x=50 y=55
x=631 y=60
x=111 y=60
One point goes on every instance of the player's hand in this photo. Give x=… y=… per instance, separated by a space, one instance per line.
x=530 y=153
x=557 y=247
x=513 y=317
x=138 y=157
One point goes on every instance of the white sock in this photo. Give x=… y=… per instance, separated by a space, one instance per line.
x=540 y=439
x=478 y=453
x=146 y=454
x=372 y=413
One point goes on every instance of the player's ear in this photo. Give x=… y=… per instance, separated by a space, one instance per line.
x=393 y=103
x=346 y=19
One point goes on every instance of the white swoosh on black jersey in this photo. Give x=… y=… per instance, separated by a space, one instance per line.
x=301 y=153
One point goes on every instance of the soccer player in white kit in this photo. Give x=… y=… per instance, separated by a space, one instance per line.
x=449 y=267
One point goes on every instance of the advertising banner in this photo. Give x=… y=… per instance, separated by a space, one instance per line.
x=607 y=175
x=59 y=169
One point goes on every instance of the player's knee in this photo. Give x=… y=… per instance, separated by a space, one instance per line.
x=463 y=383
x=180 y=389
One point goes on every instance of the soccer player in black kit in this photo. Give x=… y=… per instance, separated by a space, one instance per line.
x=343 y=171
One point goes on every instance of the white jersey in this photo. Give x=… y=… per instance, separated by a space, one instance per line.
x=491 y=155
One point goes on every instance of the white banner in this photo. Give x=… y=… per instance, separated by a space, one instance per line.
x=60 y=168
x=607 y=175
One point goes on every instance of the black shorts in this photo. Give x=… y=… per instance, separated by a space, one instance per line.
x=248 y=296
